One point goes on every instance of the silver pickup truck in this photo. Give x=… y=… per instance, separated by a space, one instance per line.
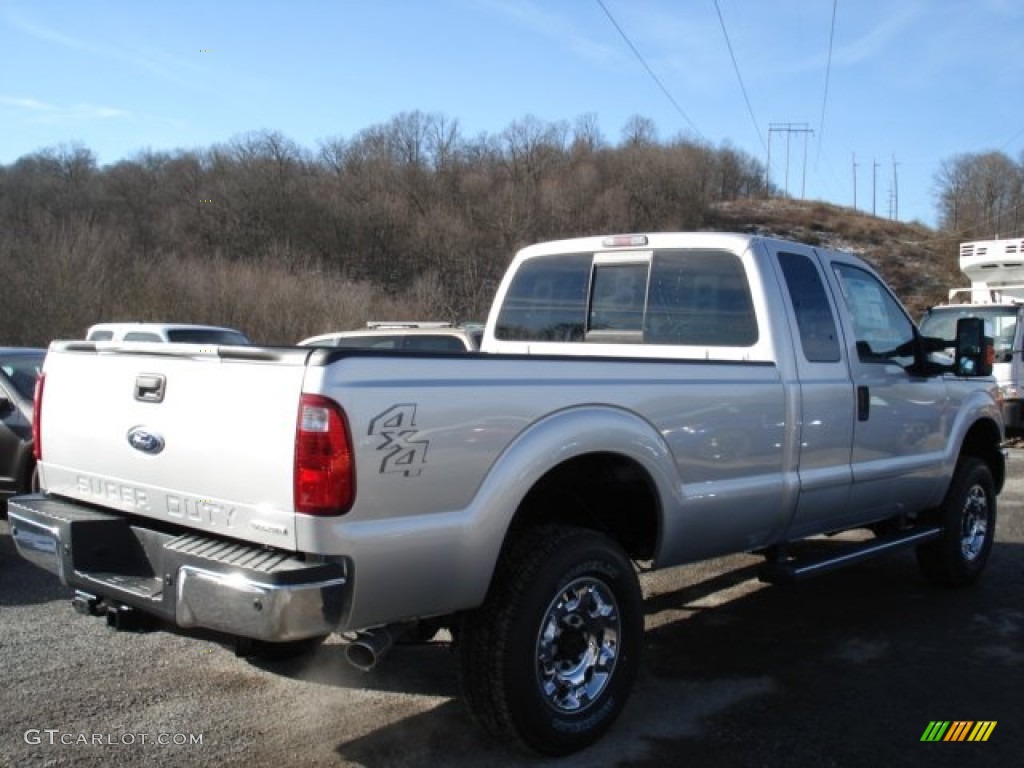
x=658 y=399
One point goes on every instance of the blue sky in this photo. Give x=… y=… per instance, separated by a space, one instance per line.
x=912 y=82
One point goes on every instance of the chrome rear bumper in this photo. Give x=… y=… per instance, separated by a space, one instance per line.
x=188 y=579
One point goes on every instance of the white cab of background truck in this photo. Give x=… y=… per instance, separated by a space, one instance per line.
x=996 y=294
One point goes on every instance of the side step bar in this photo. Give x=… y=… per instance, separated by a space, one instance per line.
x=789 y=570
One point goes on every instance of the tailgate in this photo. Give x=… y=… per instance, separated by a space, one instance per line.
x=199 y=436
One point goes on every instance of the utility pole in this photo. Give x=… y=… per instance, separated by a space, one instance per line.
x=789 y=129
x=855 y=181
x=874 y=172
x=787 y=163
x=895 y=189
x=803 y=178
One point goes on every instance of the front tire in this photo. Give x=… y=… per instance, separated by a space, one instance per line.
x=551 y=656
x=968 y=517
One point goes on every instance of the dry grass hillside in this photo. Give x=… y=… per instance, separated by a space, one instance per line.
x=919 y=263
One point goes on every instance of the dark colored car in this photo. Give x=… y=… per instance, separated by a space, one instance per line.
x=19 y=369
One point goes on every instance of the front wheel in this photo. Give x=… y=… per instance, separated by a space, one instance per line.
x=551 y=656
x=968 y=517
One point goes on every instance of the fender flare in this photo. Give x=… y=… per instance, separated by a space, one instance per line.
x=978 y=417
x=547 y=444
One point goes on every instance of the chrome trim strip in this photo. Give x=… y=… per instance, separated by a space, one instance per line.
x=238 y=605
x=39 y=544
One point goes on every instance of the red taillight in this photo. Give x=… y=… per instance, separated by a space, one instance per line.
x=37 y=418
x=324 y=471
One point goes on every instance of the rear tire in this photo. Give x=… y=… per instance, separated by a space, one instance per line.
x=968 y=517
x=551 y=656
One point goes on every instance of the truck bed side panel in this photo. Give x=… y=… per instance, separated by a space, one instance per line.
x=441 y=466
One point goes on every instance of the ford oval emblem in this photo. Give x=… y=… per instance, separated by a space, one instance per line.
x=142 y=439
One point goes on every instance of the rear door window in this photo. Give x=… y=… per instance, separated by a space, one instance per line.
x=819 y=337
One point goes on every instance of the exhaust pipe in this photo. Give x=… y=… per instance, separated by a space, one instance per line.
x=368 y=647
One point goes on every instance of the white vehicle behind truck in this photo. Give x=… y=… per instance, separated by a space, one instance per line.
x=996 y=295
x=417 y=335
x=654 y=398
x=173 y=333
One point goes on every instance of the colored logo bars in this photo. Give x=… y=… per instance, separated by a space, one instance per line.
x=958 y=730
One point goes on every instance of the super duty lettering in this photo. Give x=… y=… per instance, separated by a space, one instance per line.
x=200 y=511
x=114 y=493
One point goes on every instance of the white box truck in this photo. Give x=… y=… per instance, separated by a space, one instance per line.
x=996 y=294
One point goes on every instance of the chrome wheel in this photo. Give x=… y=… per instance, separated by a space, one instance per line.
x=550 y=657
x=974 y=530
x=578 y=645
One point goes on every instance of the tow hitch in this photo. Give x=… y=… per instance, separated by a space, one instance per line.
x=86 y=604
x=121 y=617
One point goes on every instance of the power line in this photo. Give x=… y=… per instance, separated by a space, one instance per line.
x=828 y=73
x=1010 y=140
x=739 y=77
x=650 y=71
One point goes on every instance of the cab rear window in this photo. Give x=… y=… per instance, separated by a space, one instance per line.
x=547 y=300
x=691 y=297
x=205 y=336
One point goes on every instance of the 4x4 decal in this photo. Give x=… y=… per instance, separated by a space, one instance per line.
x=403 y=452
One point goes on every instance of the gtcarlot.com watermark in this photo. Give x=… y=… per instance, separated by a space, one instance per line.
x=57 y=737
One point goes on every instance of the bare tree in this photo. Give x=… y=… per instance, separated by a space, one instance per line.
x=639 y=131
x=980 y=194
x=263 y=234
x=586 y=135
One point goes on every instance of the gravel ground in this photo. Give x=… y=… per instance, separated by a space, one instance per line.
x=844 y=670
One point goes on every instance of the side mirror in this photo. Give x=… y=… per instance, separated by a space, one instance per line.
x=6 y=406
x=975 y=352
